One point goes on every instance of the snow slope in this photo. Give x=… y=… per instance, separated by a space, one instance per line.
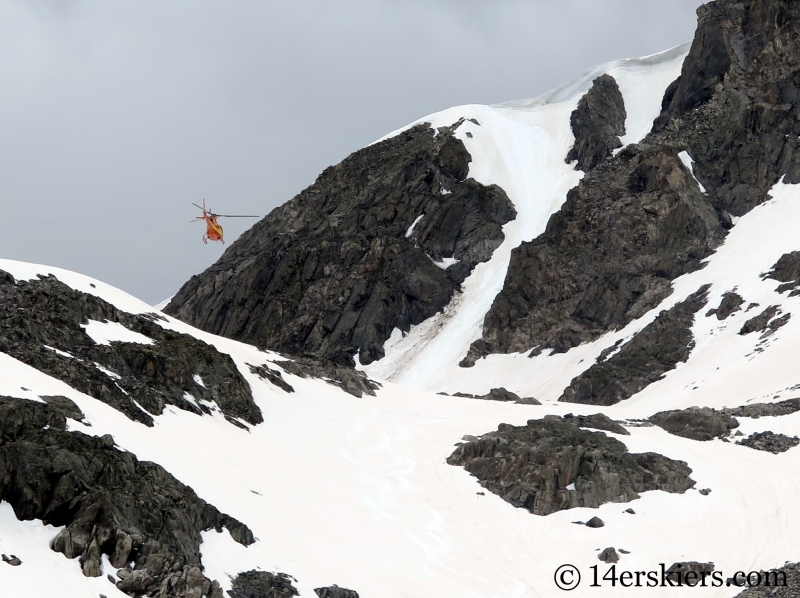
x=521 y=147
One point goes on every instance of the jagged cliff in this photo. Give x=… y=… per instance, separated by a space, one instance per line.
x=381 y=241
x=638 y=220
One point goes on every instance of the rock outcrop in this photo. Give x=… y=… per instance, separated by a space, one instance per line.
x=598 y=421
x=770 y=442
x=783 y=582
x=261 y=584
x=42 y=324
x=697 y=423
x=551 y=465
x=787 y=271
x=501 y=394
x=351 y=381
x=652 y=352
x=335 y=592
x=108 y=502
x=731 y=303
x=756 y=410
x=765 y=322
x=381 y=241
x=597 y=123
x=638 y=219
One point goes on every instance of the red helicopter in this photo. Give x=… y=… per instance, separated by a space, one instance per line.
x=214 y=228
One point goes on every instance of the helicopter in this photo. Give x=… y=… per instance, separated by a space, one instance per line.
x=214 y=228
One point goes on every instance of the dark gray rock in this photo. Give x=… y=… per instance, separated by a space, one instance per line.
x=731 y=303
x=273 y=376
x=595 y=522
x=770 y=442
x=45 y=313
x=260 y=584
x=638 y=220
x=697 y=423
x=655 y=350
x=64 y=405
x=776 y=583
x=756 y=410
x=108 y=503
x=787 y=271
x=705 y=491
x=690 y=573
x=773 y=326
x=759 y=323
x=597 y=123
x=606 y=258
x=598 y=421
x=332 y=272
x=609 y=555
x=12 y=560
x=531 y=467
x=735 y=102
x=500 y=394
x=335 y=592
x=345 y=377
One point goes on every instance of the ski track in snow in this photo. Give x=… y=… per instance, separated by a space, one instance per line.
x=521 y=147
x=356 y=492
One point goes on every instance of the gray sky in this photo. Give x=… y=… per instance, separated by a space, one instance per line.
x=115 y=116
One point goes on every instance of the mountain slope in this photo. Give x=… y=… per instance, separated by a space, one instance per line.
x=615 y=343
x=356 y=491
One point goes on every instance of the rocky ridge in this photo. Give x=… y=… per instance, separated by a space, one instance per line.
x=639 y=219
x=42 y=324
x=652 y=352
x=380 y=241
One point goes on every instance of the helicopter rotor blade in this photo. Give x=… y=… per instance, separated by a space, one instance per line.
x=202 y=208
x=234 y=216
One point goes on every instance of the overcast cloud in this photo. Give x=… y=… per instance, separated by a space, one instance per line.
x=115 y=116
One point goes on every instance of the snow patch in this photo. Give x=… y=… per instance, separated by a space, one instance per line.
x=689 y=164
x=162 y=304
x=104 y=333
x=188 y=397
x=107 y=372
x=410 y=230
x=446 y=262
x=59 y=352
